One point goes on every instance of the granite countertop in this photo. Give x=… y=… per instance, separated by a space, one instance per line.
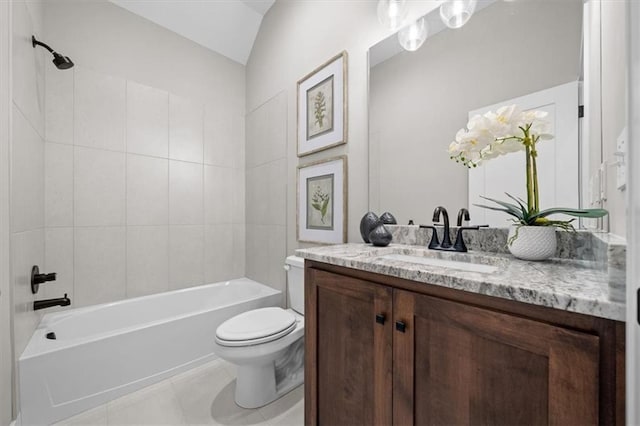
x=570 y=285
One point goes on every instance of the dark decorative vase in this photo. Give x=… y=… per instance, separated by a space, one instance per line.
x=367 y=223
x=388 y=219
x=380 y=236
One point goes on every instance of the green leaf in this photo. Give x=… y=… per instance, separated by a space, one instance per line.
x=512 y=208
x=316 y=206
x=515 y=213
x=588 y=213
x=525 y=211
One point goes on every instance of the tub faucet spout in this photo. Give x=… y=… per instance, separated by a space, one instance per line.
x=48 y=303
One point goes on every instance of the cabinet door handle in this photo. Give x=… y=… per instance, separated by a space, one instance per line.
x=401 y=326
x=381 y=318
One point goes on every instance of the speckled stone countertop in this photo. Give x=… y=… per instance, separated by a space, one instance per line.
x=570 y=285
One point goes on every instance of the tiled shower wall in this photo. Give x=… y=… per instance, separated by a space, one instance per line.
x=266 y=196
x=144 y=189
x=27 y=165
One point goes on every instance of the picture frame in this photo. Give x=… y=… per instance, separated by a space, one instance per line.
x=322 y=106
x=322 y=201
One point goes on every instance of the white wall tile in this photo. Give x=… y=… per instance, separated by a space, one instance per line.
x=99 y=110
x=238 y=196
x=147 y=190
x=186 y=250
x=185 y=129
x=257 y=244
x=28 y=68
x=58 y=258
x=27 y=174
x=58 y=184
x=257 y=190
x=99 y=187
x=277 y=193
x=218 y=195
x=218 y=136
x=277 y=253
x=147 y=260
x=99 y=258
x=27 y=249
x=256 y=128
x=218 y=253
x=59 y=105
x=239 y=244
x=266 y=132
x=185 y=193
x=239 y=146
x=147 y=120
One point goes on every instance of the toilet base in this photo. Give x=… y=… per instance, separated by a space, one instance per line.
x=258 y=385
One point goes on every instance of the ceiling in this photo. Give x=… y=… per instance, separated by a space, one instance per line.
x=228 y=27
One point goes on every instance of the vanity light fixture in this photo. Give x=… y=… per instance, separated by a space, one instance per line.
x=456 y=13
x=392 y=13
x=413 y=35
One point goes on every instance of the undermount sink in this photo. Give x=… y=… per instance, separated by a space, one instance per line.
x=444 y=263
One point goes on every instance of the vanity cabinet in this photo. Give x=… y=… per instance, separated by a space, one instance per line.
x=382 y=350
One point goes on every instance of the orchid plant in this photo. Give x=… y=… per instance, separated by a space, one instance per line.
x=507 y=130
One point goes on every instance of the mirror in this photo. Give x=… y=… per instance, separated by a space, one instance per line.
x=508 y=52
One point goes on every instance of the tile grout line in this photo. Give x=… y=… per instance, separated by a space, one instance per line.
x=126 y=190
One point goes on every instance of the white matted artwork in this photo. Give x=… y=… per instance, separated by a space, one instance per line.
x=322 y=106
x=322 y=201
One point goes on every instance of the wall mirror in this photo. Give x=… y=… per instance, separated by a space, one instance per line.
x=536 y=54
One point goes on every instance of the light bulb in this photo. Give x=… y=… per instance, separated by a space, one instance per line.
x=456 y=13
x=413 y=35
x=392 y=13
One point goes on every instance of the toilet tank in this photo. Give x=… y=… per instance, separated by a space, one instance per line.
x=295 y=282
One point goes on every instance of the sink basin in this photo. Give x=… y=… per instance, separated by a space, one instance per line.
x=443 y=263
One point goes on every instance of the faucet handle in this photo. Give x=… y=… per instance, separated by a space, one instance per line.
x=435 y=242
x=459 y=245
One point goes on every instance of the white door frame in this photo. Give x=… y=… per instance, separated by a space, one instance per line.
x=6 y=338
x=633 y=217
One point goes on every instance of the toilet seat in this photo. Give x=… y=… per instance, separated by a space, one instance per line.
x=256 y=327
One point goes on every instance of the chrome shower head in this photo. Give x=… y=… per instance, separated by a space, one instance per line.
x=61 y=62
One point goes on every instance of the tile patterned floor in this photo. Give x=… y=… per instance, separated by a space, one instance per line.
x=202 y=396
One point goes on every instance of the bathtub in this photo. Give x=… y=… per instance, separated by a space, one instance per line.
x=104 y=351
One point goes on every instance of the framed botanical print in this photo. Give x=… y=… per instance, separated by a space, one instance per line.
x=322 y=107
x=322 y=201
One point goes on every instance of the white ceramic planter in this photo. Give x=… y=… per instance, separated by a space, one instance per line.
x=533 y=242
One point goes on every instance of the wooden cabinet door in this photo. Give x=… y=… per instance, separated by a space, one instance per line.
x=457 y=364
x=348 y=351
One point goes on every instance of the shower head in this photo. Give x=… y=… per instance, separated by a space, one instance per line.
x=61 y=62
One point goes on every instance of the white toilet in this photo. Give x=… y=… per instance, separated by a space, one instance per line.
x=267 y=345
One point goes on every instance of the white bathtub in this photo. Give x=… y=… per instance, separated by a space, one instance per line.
x=105 y=351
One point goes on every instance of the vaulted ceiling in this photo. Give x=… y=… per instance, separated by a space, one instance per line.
x=228 y=27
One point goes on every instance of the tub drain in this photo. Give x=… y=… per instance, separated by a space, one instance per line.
x=51 y=335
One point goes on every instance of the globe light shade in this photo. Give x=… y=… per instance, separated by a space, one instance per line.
x=392 y=13
x=413 y=35
x=456 y=13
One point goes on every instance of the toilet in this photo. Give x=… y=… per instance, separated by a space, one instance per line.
x=267 y=345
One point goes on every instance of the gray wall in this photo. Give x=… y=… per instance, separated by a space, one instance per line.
x=419 y=100
x=144 y=157
x=614 y=103
x=27 y=166
x=266 y=192
x=296 y=37
x=6 y=357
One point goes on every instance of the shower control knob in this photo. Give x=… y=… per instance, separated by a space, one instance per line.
x=37 y=278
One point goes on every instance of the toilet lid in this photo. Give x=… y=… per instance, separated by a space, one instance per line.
x=256 y=326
